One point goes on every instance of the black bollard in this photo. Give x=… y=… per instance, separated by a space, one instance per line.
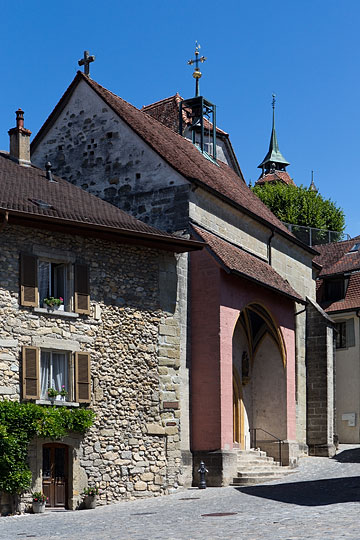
x=202 y=471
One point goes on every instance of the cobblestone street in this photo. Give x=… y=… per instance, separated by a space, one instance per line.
x=320 y=501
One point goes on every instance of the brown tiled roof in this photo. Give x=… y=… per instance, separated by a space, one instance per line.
x=246 y=265
x=352 y=296
x=166 y=111
x=181 y=154
x=336 y=258
x=23 y=190
x=276 y=176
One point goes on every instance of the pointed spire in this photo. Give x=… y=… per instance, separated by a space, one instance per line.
x=312 y=186
x=274 y=160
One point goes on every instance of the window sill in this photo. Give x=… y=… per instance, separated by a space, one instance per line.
x=56 y=312
x=56 y=402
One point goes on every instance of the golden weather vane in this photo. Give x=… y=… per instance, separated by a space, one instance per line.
x=197 y=73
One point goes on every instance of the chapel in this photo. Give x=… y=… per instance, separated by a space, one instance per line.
x=247 y=306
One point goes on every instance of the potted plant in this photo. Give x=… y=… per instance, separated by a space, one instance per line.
x=63 y=392
x=52 y=393
x=38 y=502
x=54 y=303
x=89 y=495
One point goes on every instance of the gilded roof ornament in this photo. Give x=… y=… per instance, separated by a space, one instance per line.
x=197 y=73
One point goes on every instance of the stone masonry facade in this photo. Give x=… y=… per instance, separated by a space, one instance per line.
x=133 y=337
x=321 y=412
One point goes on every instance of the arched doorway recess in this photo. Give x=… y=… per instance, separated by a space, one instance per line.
x=259 y=378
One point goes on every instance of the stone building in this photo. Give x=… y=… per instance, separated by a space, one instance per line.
x=112 y=344
x=243 y=321
x=338 y=287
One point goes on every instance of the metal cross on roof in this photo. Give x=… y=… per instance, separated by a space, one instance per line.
x=197 y=73
x=86 y=61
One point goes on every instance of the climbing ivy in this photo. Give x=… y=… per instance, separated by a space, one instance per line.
x=19 y=424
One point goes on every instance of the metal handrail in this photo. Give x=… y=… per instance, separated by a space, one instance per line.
x=280 y=441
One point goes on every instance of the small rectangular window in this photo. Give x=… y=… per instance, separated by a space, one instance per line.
x=54 y=375
x=345 y=336
x=52 y=282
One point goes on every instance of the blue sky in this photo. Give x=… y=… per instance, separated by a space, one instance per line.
x=306 y=52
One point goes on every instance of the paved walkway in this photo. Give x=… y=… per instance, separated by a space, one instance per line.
x=320 y=501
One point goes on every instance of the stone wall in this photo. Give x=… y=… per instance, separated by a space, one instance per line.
x=133 y=337
x=91 y=147
x=320 y=382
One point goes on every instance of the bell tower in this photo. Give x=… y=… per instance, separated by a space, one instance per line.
x=201 y=112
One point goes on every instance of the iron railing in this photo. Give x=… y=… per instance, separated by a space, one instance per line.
x=253 y=440
x=312 y=236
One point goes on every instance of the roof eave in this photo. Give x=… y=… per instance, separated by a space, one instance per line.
x=178 y=245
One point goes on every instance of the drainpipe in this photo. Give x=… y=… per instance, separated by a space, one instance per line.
x=269 y=246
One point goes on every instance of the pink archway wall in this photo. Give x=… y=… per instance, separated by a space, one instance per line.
x=217 y=299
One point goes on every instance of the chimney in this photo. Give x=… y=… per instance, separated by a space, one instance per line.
x=20 y=141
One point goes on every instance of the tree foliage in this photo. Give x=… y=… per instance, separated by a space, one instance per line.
x=301 y=206
x=19 y=424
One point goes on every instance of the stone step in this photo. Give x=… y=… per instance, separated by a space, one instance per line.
x=255 y=467
x=254 y=461
x=260 y=467
x=257 y=474
x=251 y=452
x=247 y=480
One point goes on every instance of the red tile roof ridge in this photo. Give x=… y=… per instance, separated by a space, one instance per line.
x=246 y=265
x=196 y=225
x=336 y=257
x=272 y=176
x=181 y=154
x=176 y=97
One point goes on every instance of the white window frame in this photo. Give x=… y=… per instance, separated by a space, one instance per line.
x=68 y=284
x=68 y=375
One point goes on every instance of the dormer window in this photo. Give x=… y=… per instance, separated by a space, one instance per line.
x=355 y=247
x=334 y=289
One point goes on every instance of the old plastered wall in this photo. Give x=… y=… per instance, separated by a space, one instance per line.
x=90 y=146
x=295 y=265
x=348 y=383
x=132 y=335
x=290 y=260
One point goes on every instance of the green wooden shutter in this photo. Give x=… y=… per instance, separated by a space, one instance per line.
x=350 y=333
x=82 y=377
x=30 y=372
x=82 y=289
x=28 y=280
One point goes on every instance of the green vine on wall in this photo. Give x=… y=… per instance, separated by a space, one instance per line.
x=19 y=424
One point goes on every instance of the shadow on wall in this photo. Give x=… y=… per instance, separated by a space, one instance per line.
x=314 y=493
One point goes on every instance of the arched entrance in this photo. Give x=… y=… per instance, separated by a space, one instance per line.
x=55 y=474
x=259 y=378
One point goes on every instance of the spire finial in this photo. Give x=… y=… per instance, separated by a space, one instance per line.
x=197 y=73
x=273 y=100
x=274 y=160
x=312 y=186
